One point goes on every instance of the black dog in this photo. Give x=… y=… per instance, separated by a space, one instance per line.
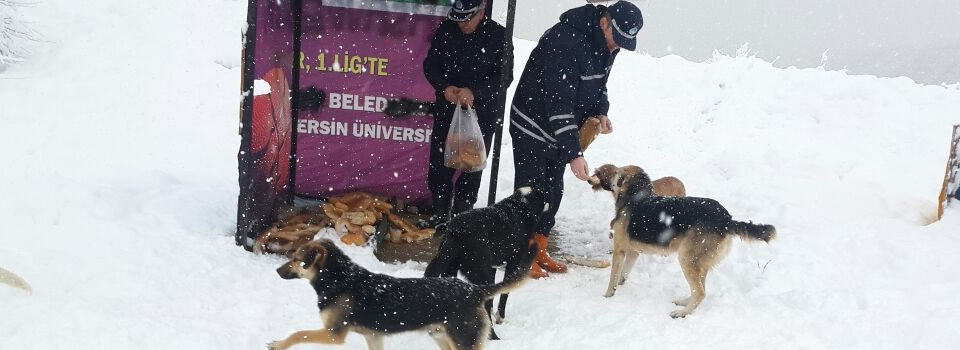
x=478 y=240
x=374 y=305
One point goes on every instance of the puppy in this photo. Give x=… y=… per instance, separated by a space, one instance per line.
x=478 y=240
x=352 y=299
x=700 y=230
x=11 y=279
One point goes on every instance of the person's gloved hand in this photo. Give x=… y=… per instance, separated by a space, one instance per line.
x=580 y=169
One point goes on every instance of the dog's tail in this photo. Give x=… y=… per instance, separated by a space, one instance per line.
x=11 y=279
x=513 y=280
x=749 y=230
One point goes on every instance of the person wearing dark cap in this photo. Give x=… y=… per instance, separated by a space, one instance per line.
x=563 y=84
x=464 y=65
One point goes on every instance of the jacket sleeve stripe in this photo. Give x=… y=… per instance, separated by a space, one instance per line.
x=562 y=116
x=565 y=129
x=591 y=77
x=528 y=132
x=532 y=123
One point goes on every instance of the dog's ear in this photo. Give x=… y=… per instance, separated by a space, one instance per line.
x=313 y=254
x=632 y=179
x=309 y=257
x=626 y=175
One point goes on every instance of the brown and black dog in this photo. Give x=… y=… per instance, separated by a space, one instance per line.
x=699 y=230
x=353 y=299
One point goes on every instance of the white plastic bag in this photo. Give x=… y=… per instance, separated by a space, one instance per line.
x=465 y=149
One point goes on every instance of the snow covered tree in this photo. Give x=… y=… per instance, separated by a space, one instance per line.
x=15 y=33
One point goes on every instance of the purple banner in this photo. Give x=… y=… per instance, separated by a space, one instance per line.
x=362 y=54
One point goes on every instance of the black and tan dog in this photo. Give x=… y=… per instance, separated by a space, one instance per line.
x=699 y=230
x=477 y=241
x=353 y=299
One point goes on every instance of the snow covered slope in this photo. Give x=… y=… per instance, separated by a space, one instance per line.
x=118 y=194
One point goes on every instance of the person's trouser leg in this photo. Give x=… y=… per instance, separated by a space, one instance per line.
x=534 y=170
x=554 y=179
x=465 y=192
x=528 y=171
x=440 y=177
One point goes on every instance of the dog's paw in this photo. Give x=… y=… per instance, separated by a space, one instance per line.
x=622 y=281
x=498 y=319
x=680 y=313
x=276 y=345
x=608 y=294
x=682 y=301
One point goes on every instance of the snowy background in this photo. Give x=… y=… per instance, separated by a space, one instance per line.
x=118 y=200
x=917 y=38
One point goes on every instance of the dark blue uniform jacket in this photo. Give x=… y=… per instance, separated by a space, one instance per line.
x=563 y=84
x=472 y=60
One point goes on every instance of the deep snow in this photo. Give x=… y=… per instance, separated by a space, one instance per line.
x=119 y=193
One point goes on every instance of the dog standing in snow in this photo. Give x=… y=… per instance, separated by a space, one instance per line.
x=353 y=299
x=699 y=230
x=476 y=241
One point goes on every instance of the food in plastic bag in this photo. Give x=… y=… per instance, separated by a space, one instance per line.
x=465 y=149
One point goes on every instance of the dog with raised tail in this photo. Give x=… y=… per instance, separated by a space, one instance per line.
x=699 y=230
x=11 y=279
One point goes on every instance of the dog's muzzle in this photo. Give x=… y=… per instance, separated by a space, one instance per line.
x=286 y=272
x=598 y=184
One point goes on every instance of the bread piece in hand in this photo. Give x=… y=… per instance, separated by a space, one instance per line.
x=591 y=128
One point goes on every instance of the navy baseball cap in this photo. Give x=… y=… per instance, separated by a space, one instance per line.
x=463 y=10
x=626 y=20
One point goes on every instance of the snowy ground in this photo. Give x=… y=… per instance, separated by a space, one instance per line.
x=118 y=198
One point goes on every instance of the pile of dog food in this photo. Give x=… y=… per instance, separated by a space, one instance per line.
x=355 y=216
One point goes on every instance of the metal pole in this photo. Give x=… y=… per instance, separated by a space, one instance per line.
x=246 y=121
x=295 y=96
x=502 y=100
